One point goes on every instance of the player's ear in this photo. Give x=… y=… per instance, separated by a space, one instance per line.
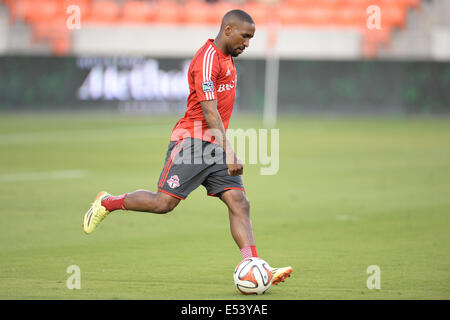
x=228 y=30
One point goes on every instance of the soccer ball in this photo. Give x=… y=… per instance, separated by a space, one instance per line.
x=253 y=276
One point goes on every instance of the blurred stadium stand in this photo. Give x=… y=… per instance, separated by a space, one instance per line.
x=306 y=28
x=307 y=56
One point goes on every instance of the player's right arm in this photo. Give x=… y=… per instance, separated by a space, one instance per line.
x=217 y=129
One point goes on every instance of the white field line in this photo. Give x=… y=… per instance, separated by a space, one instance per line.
x=52 y=175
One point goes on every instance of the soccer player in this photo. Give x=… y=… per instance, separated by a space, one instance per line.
x=199 y=151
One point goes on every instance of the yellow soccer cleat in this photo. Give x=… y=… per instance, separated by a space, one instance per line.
x=95 y=214
x=280 y=274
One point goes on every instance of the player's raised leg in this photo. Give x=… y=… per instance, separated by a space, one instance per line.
x=140 y=200
x=147 y=201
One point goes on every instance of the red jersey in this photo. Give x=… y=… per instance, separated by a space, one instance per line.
x=211 y=76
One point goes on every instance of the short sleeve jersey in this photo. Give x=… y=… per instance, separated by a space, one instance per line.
x=211 y=76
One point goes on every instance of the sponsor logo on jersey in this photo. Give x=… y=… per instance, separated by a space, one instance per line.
x=226 y=86
x=173 y=182
x=208 y=86
x=228 y=72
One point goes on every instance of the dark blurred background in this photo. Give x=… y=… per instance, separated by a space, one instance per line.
x=131 y=56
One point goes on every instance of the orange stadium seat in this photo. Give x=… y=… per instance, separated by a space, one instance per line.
x=288 y=14
x=47 y=29
x=220 y=8
x=47 y=16
x=42 y=10
x=362 y=3
x=259 y=12
x=134 y=11
x=318 y=16
x=330 y=4
x=197 y=12
x=351 y=16
x=399 y=3
x=393 y=15
x=167 y=12
x=84 y=6
x=391 y=12
x=298 y=3
x=104 y=11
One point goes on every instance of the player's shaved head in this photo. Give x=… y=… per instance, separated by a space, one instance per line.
x=235 y=16
x=236 y=30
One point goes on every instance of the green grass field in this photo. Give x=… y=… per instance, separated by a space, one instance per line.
x=350 y=193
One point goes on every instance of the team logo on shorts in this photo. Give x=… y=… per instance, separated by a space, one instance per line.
x=173 y=182
x=208 y=86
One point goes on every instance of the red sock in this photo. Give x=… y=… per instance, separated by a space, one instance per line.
x=114 y=202
x=248 y=252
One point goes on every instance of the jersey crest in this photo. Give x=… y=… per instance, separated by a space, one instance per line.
x=173 y=182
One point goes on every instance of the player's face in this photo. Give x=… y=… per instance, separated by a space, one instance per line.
x=239 y=37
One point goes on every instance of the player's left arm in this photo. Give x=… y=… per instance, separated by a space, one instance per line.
x=205 y=76
x=215 y=124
